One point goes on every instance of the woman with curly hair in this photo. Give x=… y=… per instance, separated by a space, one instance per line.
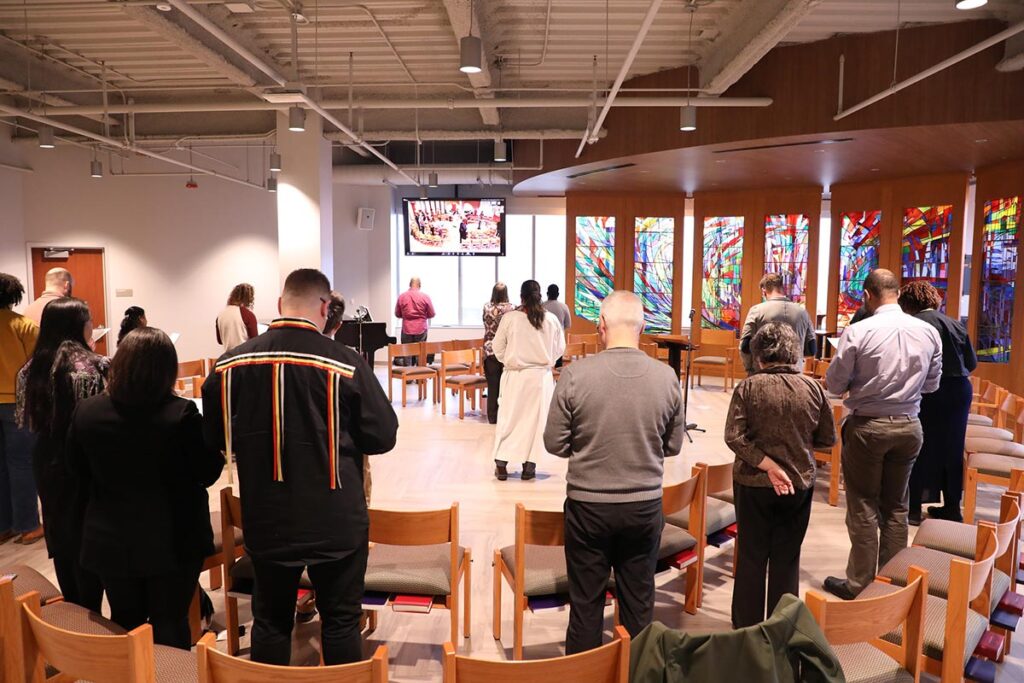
x=939 y=466
x=236 y=323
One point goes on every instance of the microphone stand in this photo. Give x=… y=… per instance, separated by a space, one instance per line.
x=689 y=426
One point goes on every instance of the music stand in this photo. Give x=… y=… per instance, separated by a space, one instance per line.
x=689 y=426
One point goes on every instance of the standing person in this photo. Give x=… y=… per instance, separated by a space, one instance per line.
x=886 y=362
x=528 y=342
x=494 y=310
x=944 y=413
x=237 y=323
x=556 y=307
x=139 y=452
x=62 y=372
x=615 y=416
x=299 y=411
x=58 y=283
x=414 y=309
x=134 y=318
x=776 y=307
x=19 y=509
x=777 y=418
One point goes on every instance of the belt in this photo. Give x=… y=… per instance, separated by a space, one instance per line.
x=891 y=418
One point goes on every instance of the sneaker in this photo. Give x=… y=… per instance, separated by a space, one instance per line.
x=529 y=471
x=501 y=472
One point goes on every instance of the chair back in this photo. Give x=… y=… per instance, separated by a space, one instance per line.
x=589 y=338
x=575 y=351
x=436 y=347
x=1009 y=516
x=230 y=519
x=539 y=527
x=687 y=493
x=400 y=350
x=464 y=356
x=650 y=348
x=218 y=667
x=866 y=620
x=719 y=477
x=980 y=571
x=809 y=363
x=606 y=664
x=417 y=527
x=11 y=667
x=111 y=659
x=820 y=368
x=465 y=344
x=191 y=368
x=1009 y=409
x=726 y=338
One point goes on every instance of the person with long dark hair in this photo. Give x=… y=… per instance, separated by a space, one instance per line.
x=134 y=318
x=19 y=509
x=528 y=342
x=139 y=452
x=939 y=466
x=62 y=371
x=494 y=311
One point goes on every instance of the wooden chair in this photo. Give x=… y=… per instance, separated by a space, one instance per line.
x=467 y=344
x=128 y=658
x=725 y=340
x=606 y=664
x=988 y=403
x=214 y=564
x=720 y=513
x=686 y=552
x=591 y=342
x=471 y=381
x=1003 y=424
x=833 y=456
x=191 y=375
x=419 y=374
x=854 y=629
x=217 y=667
x=540 y=537
x=989 y=467
x=650 y=348
x=418 y=553
x=435 y=349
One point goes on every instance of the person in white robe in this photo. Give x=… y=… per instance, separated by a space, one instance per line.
x=528 y=342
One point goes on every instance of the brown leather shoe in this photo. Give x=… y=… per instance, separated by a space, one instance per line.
x=30 y=537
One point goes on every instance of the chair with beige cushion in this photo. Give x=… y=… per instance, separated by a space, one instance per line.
x=680 y=547
x=988 y=403
x=720 y=513
x=469 y=381
x=435 y=349
x=854 y=629
x=217 y=667
x=833 y=456
x=418 y=553
x=1004 y=424
x=719 y=351
x=418 y=374
x=989 y=461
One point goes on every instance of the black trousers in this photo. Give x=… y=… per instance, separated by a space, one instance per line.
x=599 y=538
x=161 y=601
x=412 y=339
x=339 y=594
x=492 y=371
x=77 y=584
x=940 y=465
x=771 y=530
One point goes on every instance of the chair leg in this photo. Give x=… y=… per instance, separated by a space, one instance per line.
x=735 y=554
x=216 y=578
x=372 y=623
x=496 y=611
x=970 y=494
x=467 y=592
x=453 y=613
x=692 y=578
x=833 y=477
x=517 y=626
x=194 y=617
x=391 y=381
x=462 y=405
x=444 y=401
x=231 y=608
x=405 y=387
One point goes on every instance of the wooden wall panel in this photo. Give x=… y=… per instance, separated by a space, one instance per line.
x=997 y=182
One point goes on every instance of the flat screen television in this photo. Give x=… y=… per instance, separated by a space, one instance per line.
x=455 y=227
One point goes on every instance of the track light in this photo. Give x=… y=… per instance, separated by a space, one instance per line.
x=423 y=191
x=500 y=150
x=688 y=118
x=969 y=4
x=275 y=162
x=470 y=50
x=296 y=119
x=96 y=168
x=45 y=134
x=432 y=179
x=271 y=184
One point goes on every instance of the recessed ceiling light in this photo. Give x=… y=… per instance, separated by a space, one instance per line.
x=164 y=6
x=876 y=169
x=720 y=161
x=981 y=141
x=969 y=4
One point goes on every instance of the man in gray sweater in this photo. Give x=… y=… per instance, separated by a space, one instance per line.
x=615 y=416
x=776 y=307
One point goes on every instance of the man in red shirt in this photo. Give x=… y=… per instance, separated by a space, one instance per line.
x=415 y=310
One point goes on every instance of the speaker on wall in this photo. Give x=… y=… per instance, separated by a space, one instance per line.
x=364 y=219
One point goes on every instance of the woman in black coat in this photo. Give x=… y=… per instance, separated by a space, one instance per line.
x=139 y=451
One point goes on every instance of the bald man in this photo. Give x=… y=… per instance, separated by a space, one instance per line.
x=615 y=416
x=58 y=283
x=414 y=309
x=885 y=362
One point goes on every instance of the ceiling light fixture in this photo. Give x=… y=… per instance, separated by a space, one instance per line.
x=164 y=6
x=688 y=113
x=432 y=179
x=45 y=134
x=500 y=150
x=423 y=191
x=296 y=119
x=271 y=184
x=969 y=4
x=96 y=168
x=470 y=49
x=688 y=118
x=275 y=162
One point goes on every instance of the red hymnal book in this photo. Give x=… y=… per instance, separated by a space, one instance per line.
x=1012 y=602
x=990 y=646
x=412 y=603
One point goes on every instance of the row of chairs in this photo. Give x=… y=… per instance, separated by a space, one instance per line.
x=994 y=446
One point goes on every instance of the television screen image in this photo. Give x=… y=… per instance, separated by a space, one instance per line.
x=455 y=227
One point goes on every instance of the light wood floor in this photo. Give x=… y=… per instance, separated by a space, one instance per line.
x=442 y=459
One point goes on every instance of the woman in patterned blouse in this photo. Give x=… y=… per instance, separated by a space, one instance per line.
x=493 y=310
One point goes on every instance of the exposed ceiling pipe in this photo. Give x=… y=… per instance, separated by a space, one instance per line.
x=623 y=71
x=944 y=64
x=408 y=135
x=379 y=175
x=512 y=61
x=425 y=103
x=111 y=142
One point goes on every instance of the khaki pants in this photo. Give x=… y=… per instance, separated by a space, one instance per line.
x=878 y=456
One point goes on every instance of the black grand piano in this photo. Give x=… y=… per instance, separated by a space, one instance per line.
x=364 y=335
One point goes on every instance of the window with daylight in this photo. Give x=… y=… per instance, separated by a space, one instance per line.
x=721 y=288
x=653 y=245
x=786 y=243
x=998 y=278
x=926 y=232
x=859 y=240
x=595 y=264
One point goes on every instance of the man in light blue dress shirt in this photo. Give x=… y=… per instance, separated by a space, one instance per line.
x=885 y=363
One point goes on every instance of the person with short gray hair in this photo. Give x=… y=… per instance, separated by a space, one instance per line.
x=777 y=418
x=615 y=416
x=58 y=284
x=776 y=307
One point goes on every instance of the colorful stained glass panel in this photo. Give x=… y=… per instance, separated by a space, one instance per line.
x=721 y=288
x=595 y=264
x=926 y=232
x=858 y=255
x=786 y=238
x=998 y=279
x=652 y=271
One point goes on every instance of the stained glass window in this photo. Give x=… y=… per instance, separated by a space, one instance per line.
x=858 y=256
x=652 y=271
x=998 y=275
x=786 y=239
x=595 y=263
x=926 y=231
x=721 y=286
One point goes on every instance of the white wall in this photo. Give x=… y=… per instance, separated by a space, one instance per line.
x=362 y=258
x=180 y=251
x=12 y=230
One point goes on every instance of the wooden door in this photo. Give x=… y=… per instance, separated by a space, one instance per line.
x=86 y=267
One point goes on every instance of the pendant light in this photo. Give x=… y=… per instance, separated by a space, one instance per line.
x=470 y=49
x=688 y=113
x=271 y=184
x=500 y=150
x=296 y=119
x=275 y=162
x=432 y=179
x=688 y=118
x=45 y=134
